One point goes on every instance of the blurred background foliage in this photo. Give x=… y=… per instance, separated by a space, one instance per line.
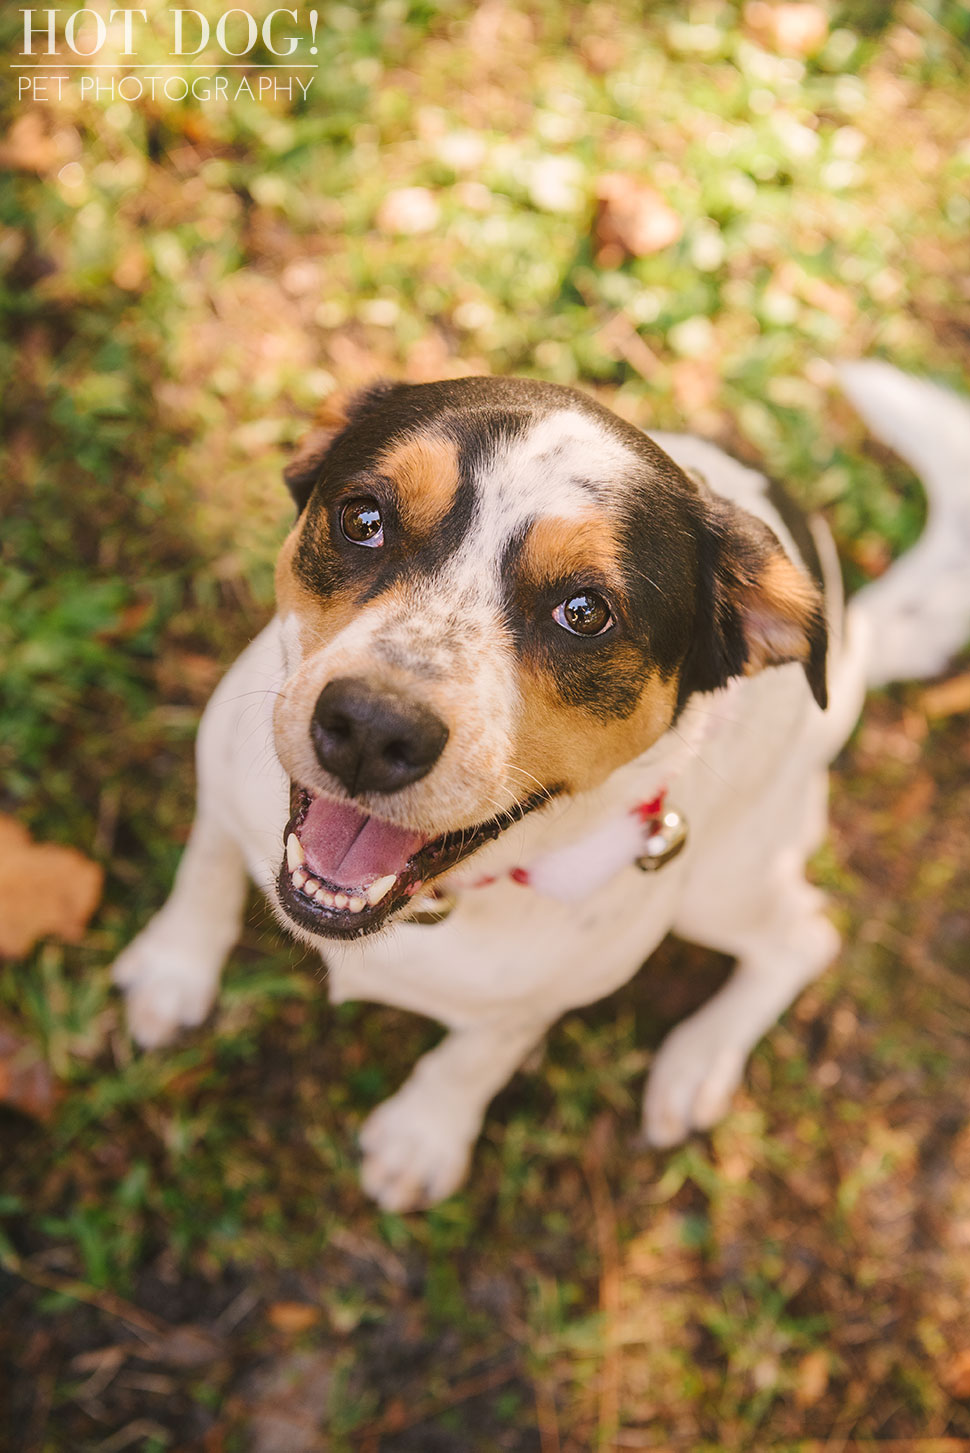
x=691 y=211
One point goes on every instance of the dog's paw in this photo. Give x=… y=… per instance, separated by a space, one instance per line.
x=164 y=991
x=416 y=1148
x=692 y=1081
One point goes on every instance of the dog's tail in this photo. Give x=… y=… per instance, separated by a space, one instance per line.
x=917 y=615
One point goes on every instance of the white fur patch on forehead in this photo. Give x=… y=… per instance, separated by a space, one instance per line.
x=562 y=466
x=555 y=467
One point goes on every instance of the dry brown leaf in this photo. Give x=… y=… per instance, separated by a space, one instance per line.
x=947 y=698
x=632 y=220
x=30 y=146
x=292 y=1317
x=813 y=1378
x=44 y=889
x=916 y=798
x=189 y=673
x=790 y=28
x=955 y=1375
x=131 y=269
x=25 y=1080
x=696 y=384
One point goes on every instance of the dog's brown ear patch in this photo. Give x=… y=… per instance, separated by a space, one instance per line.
x=756 y=608
x=337 y=411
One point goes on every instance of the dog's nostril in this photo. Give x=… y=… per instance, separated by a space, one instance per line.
x=374 y=741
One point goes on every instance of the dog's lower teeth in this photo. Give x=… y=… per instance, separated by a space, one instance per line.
x=321 y=895
x=294 y=853
x=380 y=889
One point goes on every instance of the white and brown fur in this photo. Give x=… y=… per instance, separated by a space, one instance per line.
x=731 y=676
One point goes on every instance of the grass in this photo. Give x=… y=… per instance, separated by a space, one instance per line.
x=175 y=303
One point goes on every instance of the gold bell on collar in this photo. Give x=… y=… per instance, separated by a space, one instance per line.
x=668 y=836
x=432 y=907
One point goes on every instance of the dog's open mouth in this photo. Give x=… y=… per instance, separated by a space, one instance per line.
x=345 y=872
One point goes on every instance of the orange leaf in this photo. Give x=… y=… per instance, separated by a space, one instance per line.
x=813 y=1378
x=292 y=1317
x=947 y=698
x=793 y=27
x=44 y=889
x=955 y=1376
x=633 y=219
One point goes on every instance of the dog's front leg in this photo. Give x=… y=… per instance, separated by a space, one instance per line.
x=782 y=940
x=417 y=1144
x=170 y=972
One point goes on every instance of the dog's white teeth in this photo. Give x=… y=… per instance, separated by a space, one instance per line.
x=294 y=853
x=380 y=889
x=356 y=902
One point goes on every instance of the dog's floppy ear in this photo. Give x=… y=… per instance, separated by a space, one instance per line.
x=339 y=409
x=756 y=608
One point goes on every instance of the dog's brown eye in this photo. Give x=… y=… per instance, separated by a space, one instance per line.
x=361 y=522
x=584 y=614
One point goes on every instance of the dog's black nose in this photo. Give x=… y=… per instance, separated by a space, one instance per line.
x=374 y=741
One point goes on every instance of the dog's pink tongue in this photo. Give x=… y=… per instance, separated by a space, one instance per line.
x=348 y=848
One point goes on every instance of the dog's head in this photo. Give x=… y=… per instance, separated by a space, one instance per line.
x=496 y=592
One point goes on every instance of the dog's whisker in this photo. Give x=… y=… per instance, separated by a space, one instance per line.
x=262 y=691
x=695 y=753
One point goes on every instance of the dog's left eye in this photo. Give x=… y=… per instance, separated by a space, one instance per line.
x=584 y=614
x=361 y=522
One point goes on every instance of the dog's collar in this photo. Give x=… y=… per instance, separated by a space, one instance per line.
x=648 y=836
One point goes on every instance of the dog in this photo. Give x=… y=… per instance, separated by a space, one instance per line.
x=541 y=689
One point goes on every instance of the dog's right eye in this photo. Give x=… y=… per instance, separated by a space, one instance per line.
x=361 y=522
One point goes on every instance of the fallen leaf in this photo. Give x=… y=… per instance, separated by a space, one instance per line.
x=44 y=889
x=696 y=383
x=812 y=1379
x=948 y=698
x=292 y=1317
x=26 y=1083
x=632 y=220
x=790 y=29
x=916 y=799
x=131 y=270
x=189 y=673
x=30 y=147
x=131 y=620
x=955 y=1376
